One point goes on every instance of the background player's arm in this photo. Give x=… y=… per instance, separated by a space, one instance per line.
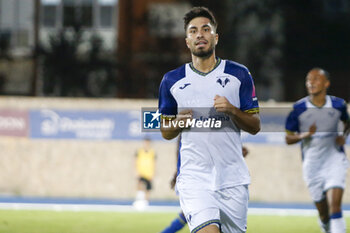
x=249 y=122
x=172 y=131
x=292 y=137
x=341 y=139
x=346 y=128
x=245 y=151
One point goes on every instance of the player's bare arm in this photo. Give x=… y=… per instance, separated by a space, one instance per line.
x=346 y=129
x=341 y=139
x=292 y=137
x=249 y=122
x=173 y=131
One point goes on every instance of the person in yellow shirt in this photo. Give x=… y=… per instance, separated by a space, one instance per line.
x=145 y=169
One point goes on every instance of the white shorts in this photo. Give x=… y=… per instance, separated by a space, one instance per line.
x=331 y=175
x=227 y=208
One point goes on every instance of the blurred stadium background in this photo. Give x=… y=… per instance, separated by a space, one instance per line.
x=74 y=75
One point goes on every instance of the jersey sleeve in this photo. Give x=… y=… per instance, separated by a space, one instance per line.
x=248 y=100
x=344 y=113
x=292 y=122
x=340 y=105
x=167 y=104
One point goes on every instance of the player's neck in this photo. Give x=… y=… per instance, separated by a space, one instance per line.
x=318 y=99
x=204 y=65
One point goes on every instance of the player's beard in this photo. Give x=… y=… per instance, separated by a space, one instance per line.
x=204 y=53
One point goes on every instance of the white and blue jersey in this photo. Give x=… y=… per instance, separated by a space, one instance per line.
x=326 y=118
x=324 y=162
x=209 y=160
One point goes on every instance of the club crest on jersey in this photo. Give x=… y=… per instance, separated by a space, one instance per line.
x=331 y=113
x=223 y=80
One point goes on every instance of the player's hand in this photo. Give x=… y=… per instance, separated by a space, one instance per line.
x=184 y=115
x=221 y=104
x=340 y=140
x=245 y=151
x=312 y=129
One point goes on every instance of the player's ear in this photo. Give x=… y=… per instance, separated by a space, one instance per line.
x=187 y=42
x=327 y=84
x=216 y=38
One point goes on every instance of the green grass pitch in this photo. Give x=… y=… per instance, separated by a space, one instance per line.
x=35 y=221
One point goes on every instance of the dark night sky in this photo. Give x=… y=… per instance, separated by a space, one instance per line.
x=318 y=35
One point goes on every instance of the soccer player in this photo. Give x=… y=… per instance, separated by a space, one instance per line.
x=145 y=168
x=213 y=178
x=314 y=121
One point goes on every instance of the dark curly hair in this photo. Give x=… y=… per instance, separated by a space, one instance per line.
x=199 y=12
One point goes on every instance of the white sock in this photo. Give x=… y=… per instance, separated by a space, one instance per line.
x=338 y=225
x=140 y=195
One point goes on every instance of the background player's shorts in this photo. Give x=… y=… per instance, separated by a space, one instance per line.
x=332 y=175
x=147 y=183
x=227 y=208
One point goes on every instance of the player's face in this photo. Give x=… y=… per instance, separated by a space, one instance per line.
x=316 y=82
x=201 y=37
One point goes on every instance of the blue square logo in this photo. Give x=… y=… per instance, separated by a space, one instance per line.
x=151 y=119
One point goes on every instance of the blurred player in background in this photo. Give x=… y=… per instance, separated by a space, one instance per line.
x=180 y=221
x=213 y=179
x=314 y=121
x=145 y=169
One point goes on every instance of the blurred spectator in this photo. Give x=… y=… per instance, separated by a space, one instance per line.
x=145 y=168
